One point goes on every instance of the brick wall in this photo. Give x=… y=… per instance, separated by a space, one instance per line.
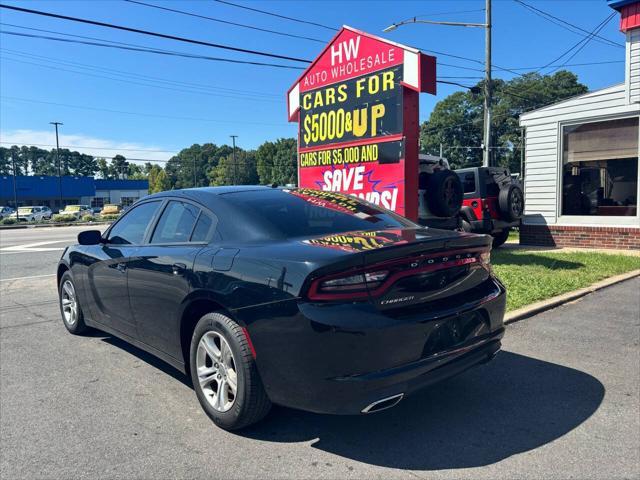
x=623 y=238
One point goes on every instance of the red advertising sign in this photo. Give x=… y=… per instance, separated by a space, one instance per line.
x=357 y=111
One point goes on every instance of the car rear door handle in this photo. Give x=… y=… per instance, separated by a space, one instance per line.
x=178 y=268
x=122 y=267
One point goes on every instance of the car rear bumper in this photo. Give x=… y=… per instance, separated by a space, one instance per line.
x=489 y=225
x=340 y=359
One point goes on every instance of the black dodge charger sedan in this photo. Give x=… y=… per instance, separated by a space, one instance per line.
x=308 y=299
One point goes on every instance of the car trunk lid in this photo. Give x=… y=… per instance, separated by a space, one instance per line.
x=397 y=268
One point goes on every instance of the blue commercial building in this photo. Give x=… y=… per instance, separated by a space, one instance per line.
x=44 y=190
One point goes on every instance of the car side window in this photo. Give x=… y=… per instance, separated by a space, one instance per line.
x=203 y=228
x=130 y=229
x=176 y=223
x=469 y=182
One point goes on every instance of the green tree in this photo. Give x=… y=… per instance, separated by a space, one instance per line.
x=119 y=167
x=103 y=168
x=241 y=172
x=202 y=158
x=5 y=162
x=456 y=122
x=277 y=161
x=158 y=179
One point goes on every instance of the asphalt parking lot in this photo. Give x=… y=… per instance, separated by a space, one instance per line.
x=560 y=401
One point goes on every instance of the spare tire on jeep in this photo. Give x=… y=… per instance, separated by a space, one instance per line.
x=444 y=193
x=511 y=202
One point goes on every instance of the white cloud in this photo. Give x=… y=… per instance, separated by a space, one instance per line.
x=98 y=147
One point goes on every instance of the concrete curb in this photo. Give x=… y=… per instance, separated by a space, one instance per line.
x=539 y=307
x=53 y=225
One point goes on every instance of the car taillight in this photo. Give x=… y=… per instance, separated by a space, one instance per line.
x=353 y=283
x=376 y=279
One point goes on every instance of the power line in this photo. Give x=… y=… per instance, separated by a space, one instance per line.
x=227 y=22
x=571 y=65
x=151 y=50
x=566 y=52
x=566 y=25
x=586 y=41
x=97 y=148
x=298 y=20
x=244 y=97
x=143 y=114
x=146 y=49
x=137 y=75
x=123 y=80
x=153 y=34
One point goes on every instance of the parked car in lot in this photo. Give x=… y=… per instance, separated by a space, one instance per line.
x=308 y=299
x=77 y=211
x=32 y=214
x=5 y=211
x=493 y=202
x=110 y=209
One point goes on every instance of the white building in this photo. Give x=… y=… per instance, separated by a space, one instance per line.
x=581 y=160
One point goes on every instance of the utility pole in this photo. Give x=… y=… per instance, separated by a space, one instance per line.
x=194 y=173
x=15 y=188
x=487 y=81
x=486 y=158
x=522 y=155
x=235 y=165
x=58 y=161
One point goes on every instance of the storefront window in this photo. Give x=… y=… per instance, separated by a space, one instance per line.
x=126 y=201
x=600 y=168
x=100 y=202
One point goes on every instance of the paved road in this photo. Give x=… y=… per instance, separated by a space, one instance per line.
x=35 y=251
x=561 y=401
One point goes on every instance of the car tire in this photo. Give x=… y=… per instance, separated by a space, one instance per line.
x=219 y=354
x=500 y=237
x=511 y=202
x=444 y=193
x=70 y=308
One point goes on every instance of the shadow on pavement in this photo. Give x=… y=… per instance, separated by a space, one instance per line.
x=512 y=405
x=145 y=356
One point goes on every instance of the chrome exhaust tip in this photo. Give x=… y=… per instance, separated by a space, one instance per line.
x=383 y=403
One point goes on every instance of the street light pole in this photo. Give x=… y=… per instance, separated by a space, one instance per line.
x=235 y=165
x=486 y=147
x=58 y=161
x=486 y=157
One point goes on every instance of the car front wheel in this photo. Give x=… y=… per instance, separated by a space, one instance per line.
x=224 y=373
x=70 y=308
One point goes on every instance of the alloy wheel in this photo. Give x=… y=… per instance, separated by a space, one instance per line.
x=216 y=369
x=69 y=303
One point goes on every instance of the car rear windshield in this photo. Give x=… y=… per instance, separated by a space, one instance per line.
x=305 y=213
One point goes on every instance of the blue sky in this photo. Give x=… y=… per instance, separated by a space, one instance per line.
x=215 y=103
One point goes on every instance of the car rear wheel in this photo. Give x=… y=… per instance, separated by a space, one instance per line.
x=70 y=308
x=224 y=373
x=500 y=237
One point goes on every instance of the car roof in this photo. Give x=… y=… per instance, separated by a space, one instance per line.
x=204 y=193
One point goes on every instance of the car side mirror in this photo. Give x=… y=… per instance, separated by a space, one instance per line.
x=90 y=237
